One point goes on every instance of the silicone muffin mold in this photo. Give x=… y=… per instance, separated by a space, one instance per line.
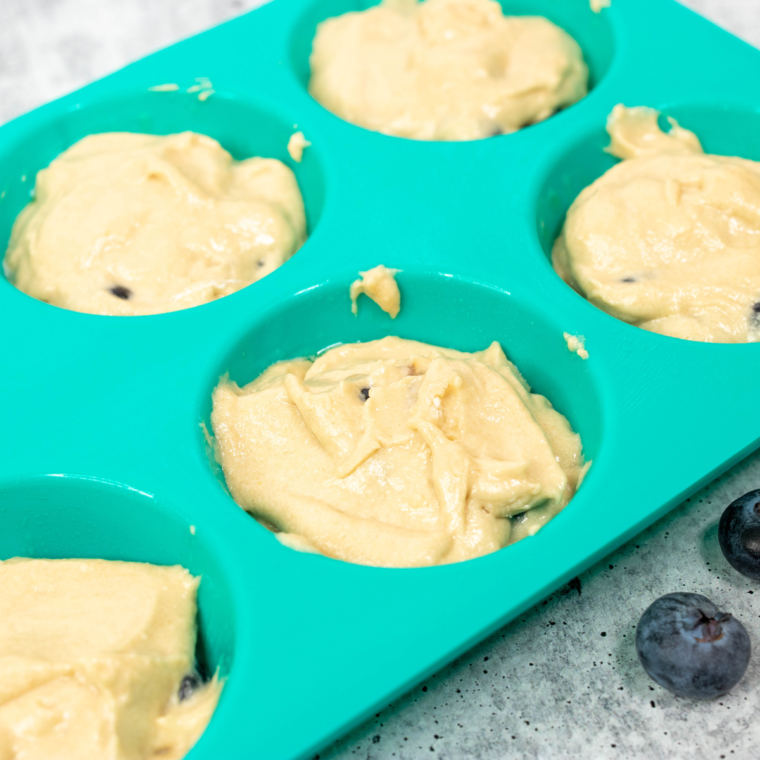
x=311 y=645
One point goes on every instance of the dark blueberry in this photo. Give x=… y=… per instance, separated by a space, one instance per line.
x=628 y=279
x=365 y=393
x=121 y=292
x=756 y=308
x=188 y=686
x=690 y=648
x=739 y=534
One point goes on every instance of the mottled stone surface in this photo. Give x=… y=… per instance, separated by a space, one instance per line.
x=563 y=680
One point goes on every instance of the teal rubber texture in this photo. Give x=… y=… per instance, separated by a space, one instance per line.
x=102 y=452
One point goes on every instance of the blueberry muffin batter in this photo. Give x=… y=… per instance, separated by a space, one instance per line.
x=128 y=224
x=668 y=239
x=96 y=661
x=396 y=453
x=444 y=69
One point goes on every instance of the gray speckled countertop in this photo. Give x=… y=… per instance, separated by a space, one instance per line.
x=563 y=680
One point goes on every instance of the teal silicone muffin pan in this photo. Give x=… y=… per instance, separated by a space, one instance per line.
x=103 y=452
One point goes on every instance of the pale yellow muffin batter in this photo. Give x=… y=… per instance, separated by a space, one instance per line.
x=668 y=239
x=93 y=657
x=129 y=224
x=444 y=69
x=379 y=284
x=396 y=453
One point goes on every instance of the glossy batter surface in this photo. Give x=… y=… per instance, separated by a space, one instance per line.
x=444 y=69
x=92 y=656
x=129 y=224
x=668 y=239
x=396 y=453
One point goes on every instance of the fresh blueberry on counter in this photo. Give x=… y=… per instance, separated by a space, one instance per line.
x=691 y=648
x=739 y=534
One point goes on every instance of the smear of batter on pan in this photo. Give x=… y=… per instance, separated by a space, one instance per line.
x=203 y=87
x=576 y=344
x=379 y=284
x=296 y=146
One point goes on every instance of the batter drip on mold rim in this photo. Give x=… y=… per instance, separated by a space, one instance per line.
x=396 y=453
x=379 y=284
x=296 y=146
x=444 y=69
x=576 y=344
x=669 y=238
x=127 y=224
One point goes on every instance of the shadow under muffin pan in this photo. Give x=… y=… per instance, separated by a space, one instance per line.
x=103 y=452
